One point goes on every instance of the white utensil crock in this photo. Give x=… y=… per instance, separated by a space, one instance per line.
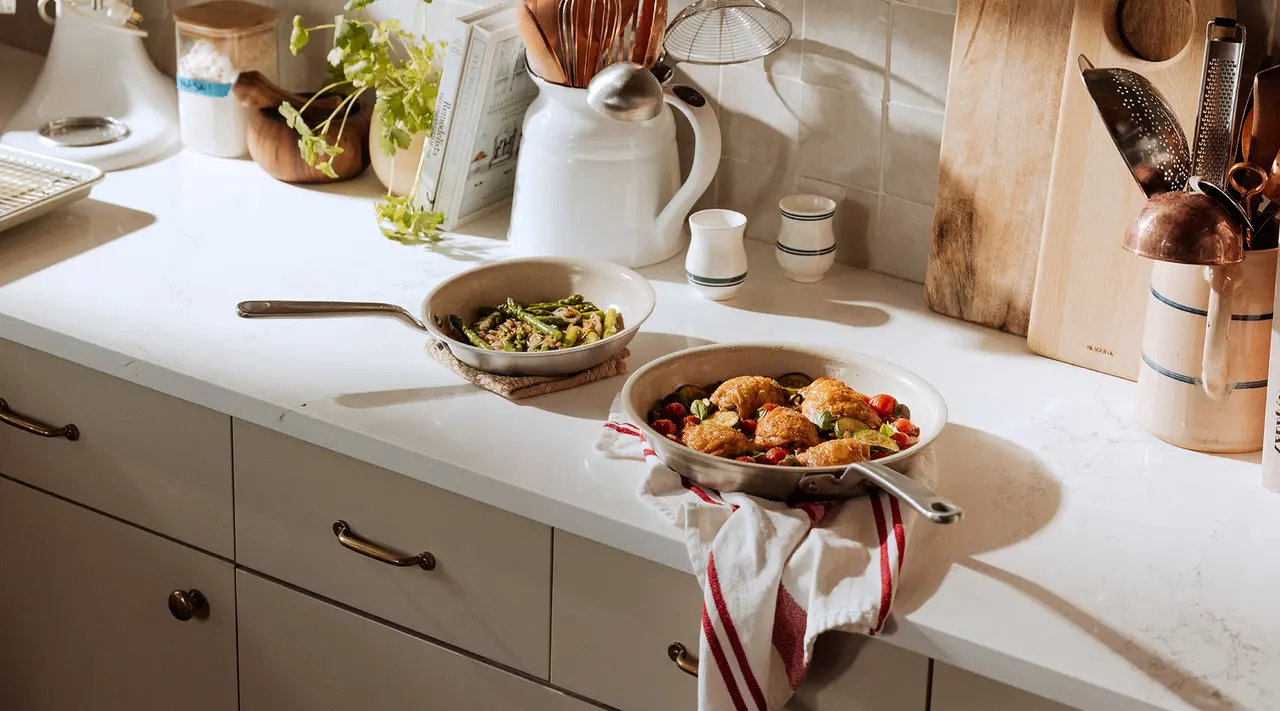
x=1202 y=384
x=592 y=186
x=716 y=265
x=806 y=246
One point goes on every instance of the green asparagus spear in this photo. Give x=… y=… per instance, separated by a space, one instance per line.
x=610 y=322
x=508 y=344
x=516 y=311
x=571 y=335
x=592 y=337
x=475 y=339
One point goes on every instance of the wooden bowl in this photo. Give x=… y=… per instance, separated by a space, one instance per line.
x=274 y=146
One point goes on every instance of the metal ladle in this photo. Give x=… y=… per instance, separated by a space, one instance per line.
x=625 y=91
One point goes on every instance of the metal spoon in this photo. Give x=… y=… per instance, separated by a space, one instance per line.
x=916 y=495
x=625 y=91
x=296 y=309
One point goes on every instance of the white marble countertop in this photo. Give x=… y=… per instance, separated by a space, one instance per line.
x=1096 y=565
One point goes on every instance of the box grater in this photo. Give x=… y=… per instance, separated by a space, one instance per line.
x=1214 y=143
x=32 y=184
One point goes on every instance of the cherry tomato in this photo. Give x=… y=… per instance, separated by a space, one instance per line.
x=880 y=454
x=906 y=426
x=748 y=427
x=775 y=455
x=691 y=421
x=674 y=438
x=744 y=459
x=666 y=428
x=769 y=406
x=902 y=439
x=674 y=411
x=883 y=405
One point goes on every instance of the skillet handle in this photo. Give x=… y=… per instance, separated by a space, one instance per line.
x=916 y=495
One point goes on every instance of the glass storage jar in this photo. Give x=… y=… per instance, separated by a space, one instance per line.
x=216 y=41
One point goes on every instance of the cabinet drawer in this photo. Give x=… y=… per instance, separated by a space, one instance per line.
x=84 y=614
x=297 y=652
x=154 y=460
x=490 y=590
x=614 y=615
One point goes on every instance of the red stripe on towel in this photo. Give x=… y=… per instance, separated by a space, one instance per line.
x=816 y=510
x=624 y=429
x=899 y=533
x=649 y=452
x=886 y=583
x=789 y=624
x=684 y=481
x=735 y=642
x=713 y=643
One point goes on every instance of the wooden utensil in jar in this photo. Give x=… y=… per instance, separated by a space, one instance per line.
x=540 y=52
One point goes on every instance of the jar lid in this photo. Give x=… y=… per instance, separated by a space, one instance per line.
x=225 y=17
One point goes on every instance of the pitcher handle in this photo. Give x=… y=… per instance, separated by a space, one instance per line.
x=706 y=155
x=1215 y=375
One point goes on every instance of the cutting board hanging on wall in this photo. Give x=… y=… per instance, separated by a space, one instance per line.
x=1090 y=295
x=1007 y=62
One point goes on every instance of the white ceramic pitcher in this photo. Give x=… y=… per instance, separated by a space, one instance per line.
x=592 y=186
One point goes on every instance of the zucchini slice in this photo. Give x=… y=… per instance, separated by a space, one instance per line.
x=846 y=426
x=876 y=440
x=728 y=418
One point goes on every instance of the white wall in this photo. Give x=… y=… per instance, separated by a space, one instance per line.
x=852 y=108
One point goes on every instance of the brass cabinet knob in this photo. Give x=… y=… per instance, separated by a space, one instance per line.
x=185 y=604
x=680 y=655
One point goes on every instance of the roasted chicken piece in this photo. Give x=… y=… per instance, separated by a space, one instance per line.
x=715 y=439
x=748 y=393
x=834 y=453
x=782 y=426
x=828 y=395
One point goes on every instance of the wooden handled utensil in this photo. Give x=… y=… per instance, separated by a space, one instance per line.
x=539 y=50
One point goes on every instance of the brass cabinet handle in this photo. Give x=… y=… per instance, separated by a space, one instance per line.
x=185 y=604
x=681 y=657
x=35 y=427
x=424 y=560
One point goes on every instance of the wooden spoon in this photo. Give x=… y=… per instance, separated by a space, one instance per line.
x=541 y=55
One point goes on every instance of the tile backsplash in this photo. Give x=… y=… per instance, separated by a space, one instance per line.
x=852 y=108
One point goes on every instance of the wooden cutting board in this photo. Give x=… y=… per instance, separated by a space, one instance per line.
x=1007 y=61
x=1090 y=295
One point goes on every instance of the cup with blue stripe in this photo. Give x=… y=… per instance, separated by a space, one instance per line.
x=806 y=246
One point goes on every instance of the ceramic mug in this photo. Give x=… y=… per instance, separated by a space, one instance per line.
x=1202 y=384
x=716 y=264
x=806 y=246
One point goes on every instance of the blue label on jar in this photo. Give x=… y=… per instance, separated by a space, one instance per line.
x=203 y=88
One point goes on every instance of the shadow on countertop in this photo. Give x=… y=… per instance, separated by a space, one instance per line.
x=63 y=234
x=1008 y=496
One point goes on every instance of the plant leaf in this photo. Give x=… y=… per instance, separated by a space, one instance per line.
x=299 y=37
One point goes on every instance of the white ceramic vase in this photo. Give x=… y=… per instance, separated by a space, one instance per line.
x=806 y=246
x=396 y=173
x=716 y=265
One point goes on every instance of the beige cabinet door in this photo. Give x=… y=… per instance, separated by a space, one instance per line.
x=85 y=622
x=613 y=616
x=299 y=652
x=955 y=689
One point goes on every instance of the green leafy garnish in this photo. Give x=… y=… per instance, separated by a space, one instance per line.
x=700 y=408
x=398 y=67
x=825 y=421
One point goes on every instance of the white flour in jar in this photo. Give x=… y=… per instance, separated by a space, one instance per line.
x=211 y=120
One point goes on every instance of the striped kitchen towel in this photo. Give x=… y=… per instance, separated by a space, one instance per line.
x=774 y=576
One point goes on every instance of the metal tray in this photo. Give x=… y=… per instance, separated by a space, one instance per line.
x=32 y=184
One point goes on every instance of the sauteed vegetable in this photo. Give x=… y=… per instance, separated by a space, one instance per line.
x=542 y=326
x=791 y=420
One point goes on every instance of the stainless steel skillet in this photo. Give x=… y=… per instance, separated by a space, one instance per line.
x=863 y=373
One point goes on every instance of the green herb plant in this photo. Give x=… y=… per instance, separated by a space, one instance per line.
x=397 y=66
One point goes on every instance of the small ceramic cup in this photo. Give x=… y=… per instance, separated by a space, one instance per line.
x=716 y=265
x=806 y=246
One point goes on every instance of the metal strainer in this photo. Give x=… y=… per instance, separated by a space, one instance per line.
x=726 y=31
x=1143 y=126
